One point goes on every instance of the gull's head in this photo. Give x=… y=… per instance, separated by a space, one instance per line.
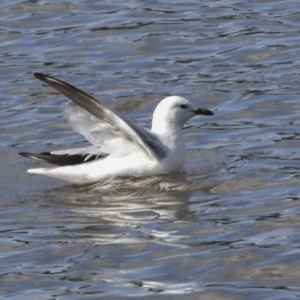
x=175 y=110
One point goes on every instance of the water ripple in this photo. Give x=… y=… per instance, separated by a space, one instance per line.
x=225 y=229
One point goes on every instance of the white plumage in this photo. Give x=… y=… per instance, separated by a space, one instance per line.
x=119 y=146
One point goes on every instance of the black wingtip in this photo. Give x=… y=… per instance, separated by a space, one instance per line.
x=39 y=76
x=62 y=159
x=24 y=154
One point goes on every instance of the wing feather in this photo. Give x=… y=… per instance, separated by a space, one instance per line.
x=100 y=125
x=61 y=159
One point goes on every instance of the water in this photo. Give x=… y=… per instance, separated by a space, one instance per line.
x=228 y=228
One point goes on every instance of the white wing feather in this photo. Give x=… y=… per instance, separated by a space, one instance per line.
x=103 y=135
x=108 y=130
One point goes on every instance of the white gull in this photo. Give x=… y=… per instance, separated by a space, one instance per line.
x=119 y=146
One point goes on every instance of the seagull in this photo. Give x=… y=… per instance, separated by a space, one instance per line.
x=119 y=147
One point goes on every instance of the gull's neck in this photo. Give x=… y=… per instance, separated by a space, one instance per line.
x=171 y=135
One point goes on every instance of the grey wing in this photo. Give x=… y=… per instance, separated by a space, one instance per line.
x=108 y=130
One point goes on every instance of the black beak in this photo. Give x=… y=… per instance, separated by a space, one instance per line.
x=203 y=111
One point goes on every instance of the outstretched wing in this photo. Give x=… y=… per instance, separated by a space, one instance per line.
x=101 y=126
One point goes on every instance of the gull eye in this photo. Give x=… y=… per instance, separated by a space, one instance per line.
x=183 y=106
